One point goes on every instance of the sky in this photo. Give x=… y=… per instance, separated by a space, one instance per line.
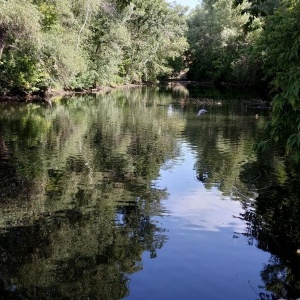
x=190 y=3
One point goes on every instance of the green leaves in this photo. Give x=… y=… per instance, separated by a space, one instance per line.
x=281 y=41
x=137 y=44
x=270 y=51
x=89 y=42
x=19 y=25
x=216 y=40
x=255 y=9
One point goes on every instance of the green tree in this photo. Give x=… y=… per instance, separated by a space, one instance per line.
x=282 y=60
x=20 y=43
x=216 y=39
x=157 y=35
x=41 y=41
x=19 y=20
x=138 y=42
x=85 y=43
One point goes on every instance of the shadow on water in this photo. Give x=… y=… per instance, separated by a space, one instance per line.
x=274 y=221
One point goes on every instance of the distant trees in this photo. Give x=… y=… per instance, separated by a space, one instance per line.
x=136 y=43
x=281 y=41
x=250 y=43
x=218 y=43
x=278 y=48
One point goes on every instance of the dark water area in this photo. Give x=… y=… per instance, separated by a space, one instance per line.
x=132 y=195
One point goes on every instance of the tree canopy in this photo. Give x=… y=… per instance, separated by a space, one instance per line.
x=85 y=43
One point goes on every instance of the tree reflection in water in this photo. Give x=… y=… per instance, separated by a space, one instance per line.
x=78 y=208
x=274 y=222
x=77 y=203
x=226 y=161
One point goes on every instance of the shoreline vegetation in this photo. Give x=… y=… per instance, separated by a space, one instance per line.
x=67 y=47
x=40 y=97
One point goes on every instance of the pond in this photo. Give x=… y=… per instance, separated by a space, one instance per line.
x=132 y=195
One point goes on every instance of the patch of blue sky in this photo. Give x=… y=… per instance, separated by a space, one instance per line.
x=191 y=3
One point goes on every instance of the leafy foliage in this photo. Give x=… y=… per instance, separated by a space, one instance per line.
x=282 y=62
x=88 y=43
x=85 y=43
x=256 y=9
x=216 y=40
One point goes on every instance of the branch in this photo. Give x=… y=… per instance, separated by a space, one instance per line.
x=84 y=23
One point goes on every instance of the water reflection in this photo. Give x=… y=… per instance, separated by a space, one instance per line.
x=76 y=195
x=265 y=184
x=274 y=222
x=224 y=144
x=82 y=191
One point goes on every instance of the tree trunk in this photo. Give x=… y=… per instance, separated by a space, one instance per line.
x=3 y=35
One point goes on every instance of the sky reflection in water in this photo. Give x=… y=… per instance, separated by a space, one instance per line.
x=128 y=195
x=205 y=256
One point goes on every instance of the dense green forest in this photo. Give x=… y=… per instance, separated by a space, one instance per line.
x=77 y=44
x=84 y=44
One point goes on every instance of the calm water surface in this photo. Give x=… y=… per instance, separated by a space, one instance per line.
x=132 y=195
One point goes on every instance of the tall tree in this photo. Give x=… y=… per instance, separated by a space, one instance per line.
x=135 y=44
x=215 y=37
x=83 y=43
x=157 y=33
x=281 y=44
x=19 y=19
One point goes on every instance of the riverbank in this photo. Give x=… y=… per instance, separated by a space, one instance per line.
x=40 y=97
x=50 y=93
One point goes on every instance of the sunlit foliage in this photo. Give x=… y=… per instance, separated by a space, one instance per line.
x=83 y=43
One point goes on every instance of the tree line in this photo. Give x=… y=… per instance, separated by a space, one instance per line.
x=76 y=44
x=84 y=44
